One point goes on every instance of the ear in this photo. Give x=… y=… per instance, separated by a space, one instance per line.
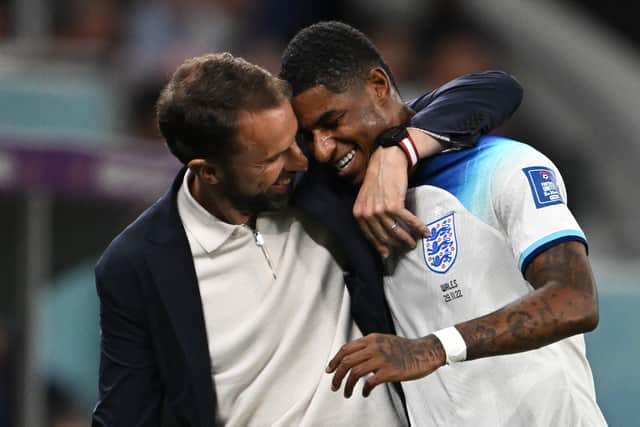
x=208 y=172
x=379 y=83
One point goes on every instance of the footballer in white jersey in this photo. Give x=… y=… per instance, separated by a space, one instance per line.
x=491 y=210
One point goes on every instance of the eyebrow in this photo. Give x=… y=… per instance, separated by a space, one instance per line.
x=281 y=151
x=325 y=118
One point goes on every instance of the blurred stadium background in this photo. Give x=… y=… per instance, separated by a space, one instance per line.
x=80 y=156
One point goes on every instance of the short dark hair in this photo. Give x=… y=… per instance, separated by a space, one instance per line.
x=332 y=54
x=198 y=109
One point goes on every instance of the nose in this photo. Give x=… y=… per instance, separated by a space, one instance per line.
x=323 y=146
x=296 y=161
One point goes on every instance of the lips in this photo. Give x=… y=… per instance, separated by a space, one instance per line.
x=345 y=161
x=282 y=184
x=283 y=180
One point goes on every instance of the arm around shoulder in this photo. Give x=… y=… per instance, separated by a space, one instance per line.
x=467 y=107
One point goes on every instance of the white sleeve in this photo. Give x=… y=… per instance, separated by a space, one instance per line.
x=529 y=199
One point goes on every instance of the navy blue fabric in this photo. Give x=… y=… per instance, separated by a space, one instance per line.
x=153 y=341
x=468 y=107
x=154 y=350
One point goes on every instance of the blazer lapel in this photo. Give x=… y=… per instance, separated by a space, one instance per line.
x=171 y=265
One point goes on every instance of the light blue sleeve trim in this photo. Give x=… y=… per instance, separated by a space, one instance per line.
x=558 y=235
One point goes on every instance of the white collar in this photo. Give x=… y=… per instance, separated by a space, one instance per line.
x=209 y=231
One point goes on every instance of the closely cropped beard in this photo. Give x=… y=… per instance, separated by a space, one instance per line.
x=256 y=203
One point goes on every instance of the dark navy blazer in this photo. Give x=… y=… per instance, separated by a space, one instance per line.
x=154 y=352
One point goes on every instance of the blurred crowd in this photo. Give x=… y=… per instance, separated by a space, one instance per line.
x=141 y=42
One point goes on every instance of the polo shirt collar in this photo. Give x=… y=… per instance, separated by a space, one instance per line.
x=209 y=231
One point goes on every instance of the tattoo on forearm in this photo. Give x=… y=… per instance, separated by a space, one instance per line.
x=520 y=324
x=564 y=297
x=546 y=312
x=484 y=336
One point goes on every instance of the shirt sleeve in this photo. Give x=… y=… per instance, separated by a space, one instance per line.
x=530 y=202
x=462 y=110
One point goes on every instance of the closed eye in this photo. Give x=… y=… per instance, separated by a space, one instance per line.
x=273 y=158
x=331 y=122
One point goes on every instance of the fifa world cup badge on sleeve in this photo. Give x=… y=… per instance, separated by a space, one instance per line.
x=440 y=249
x=544 y=187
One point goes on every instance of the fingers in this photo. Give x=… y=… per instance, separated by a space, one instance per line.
x=412 y=223
x=346 y=349
x=350 y=364
x=358 y=371
x=384 y=358
x=401 y=238
x=381 y=203
x=372 y=381
x=393 y=231
x=367 y=357
x=384 y=232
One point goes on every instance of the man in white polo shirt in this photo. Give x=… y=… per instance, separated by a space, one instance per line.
x=233 y=324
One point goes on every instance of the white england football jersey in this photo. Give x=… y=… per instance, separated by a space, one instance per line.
x=490 y=209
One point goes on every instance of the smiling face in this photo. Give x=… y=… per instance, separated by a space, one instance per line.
x=341 y=128
x=258 y=175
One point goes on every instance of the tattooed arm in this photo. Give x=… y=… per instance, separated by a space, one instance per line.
x=564 y=303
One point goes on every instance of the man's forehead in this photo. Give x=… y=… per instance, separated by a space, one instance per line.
x=315 y=102
x=266 y=130
x=275 y=112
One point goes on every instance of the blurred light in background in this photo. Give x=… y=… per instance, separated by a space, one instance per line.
x=80 y=155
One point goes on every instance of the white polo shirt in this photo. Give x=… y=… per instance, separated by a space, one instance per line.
x=490 y=209
x=270 y=339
